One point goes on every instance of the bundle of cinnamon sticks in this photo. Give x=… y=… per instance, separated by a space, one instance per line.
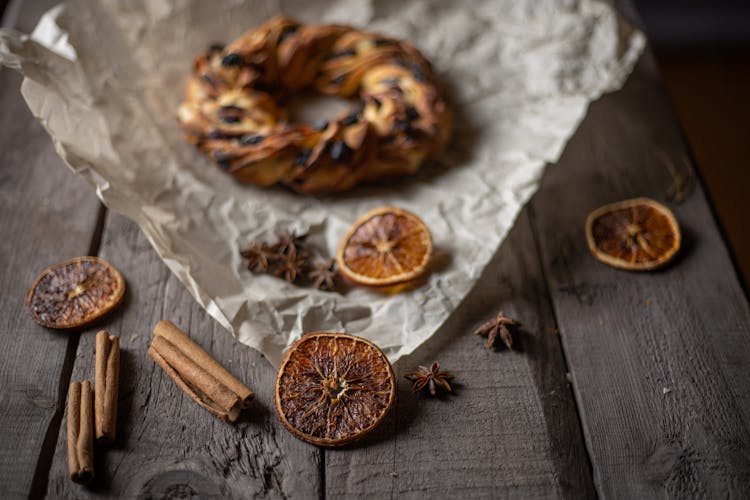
x=198 y=374
x=93 y=413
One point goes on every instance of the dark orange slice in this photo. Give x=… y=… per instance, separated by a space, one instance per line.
x=637 y=235
x=386 y=246
x=333 y=388
x=75 y=293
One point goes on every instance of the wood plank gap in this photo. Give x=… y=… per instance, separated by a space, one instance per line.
x=47 y=453
x=548 y=295
x=627 y=9
x=657 y=359
x=166 y=445
x=322 y=474
x=96 y=238
x=10 y=15
x=699 y=180
x=508 y=431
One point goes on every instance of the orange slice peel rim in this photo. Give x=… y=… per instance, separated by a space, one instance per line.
x=649 y=265
x=76 y=289
x=326 y=441
x=408 y=275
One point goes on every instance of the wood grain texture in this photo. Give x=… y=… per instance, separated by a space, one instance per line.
x=46 y=215
x=659 y=360
x=166 y=444
x=509 y=431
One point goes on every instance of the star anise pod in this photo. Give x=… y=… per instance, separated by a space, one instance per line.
x=291 y=265
x=498 y=326
x=258 y=256
x=289 y=242
x=323 y=275
x=431 y=378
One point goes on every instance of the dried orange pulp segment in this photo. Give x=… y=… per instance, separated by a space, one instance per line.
x=637 y=235
x=333 y=388
x=385 y=246
x=74 y=293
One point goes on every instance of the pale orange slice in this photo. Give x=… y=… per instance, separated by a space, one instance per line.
x=386 y=246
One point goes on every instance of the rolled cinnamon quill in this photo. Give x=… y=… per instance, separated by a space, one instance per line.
x=81 y=432
x=107 y=375
x=197 y=373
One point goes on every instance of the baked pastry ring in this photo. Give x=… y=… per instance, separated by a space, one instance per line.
x=234 y=111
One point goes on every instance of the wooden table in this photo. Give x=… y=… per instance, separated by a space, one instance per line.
x=623 y=385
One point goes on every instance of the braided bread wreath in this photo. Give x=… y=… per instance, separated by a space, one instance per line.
x=234 y=111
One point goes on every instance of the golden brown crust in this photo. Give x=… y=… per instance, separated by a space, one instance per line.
x=232 y=109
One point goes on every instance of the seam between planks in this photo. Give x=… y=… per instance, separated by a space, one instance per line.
x=700 y=185
x=47 y=453
x=550 y=300
x=322 y=469
x=629 y=11
x=10 y=16
x=40 y=480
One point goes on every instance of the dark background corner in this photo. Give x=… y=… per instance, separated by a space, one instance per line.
x=703 y=50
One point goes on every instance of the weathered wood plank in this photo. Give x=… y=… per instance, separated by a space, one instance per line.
x=510 y=430
x=46 y=215
x=167 y=444
x=659 y=360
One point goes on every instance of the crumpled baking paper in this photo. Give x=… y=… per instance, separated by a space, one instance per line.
x=105 y=79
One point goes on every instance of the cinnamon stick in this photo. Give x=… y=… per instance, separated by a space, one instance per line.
x=197 y=373
x=107 y=375
x=81 y=432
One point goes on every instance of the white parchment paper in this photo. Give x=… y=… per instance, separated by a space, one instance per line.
x=106 y=77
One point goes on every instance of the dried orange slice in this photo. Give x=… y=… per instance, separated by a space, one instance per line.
x=75 y=293
x=638 y=234
x=333 y=388
x=385 y=246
